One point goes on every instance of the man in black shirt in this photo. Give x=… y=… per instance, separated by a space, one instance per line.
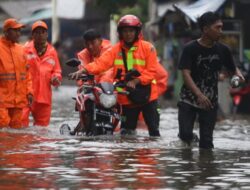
x=200 y=64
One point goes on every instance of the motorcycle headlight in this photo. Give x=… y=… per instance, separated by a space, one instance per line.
x=107 y=101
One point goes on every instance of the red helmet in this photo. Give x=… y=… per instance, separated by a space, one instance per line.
x=130 y=21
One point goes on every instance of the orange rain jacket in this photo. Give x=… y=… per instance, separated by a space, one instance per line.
x=85 y=57
x=142 y=56
x=15 y=80
x=42 y=70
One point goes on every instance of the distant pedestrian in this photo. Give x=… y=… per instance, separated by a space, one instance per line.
x=15 y=82
x=45 y=71
x=200 y=64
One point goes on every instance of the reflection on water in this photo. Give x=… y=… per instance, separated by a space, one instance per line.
x=39 y=158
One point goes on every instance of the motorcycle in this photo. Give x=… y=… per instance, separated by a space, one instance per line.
x=99 y=112
x=238 y=93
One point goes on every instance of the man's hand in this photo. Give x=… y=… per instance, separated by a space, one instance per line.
x=133 y=83
x=204 y=102
x=55 y=81
x=30 y=99
x=222 y=76
x=239 y=74
x=77 y=74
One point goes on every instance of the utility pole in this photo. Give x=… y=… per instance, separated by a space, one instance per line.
x=55 y=22
x=113 y=28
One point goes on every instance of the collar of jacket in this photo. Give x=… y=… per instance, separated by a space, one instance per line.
x=7 y=42
x=94 y=57
x=33 y=49
x=134 y=46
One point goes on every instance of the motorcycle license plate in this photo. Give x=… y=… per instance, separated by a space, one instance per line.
x=107 y=113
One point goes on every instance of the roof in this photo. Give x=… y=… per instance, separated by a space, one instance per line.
x=22 y=8
x=163 y=8
x=30 y=11
x=193 y=11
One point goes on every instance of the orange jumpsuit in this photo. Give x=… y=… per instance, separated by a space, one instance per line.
x=142 y=56
x=85 y=57
x=42 y=69
x=15 y=83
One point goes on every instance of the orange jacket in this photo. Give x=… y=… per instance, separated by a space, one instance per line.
x=142 y=56
x=85 y=57
x=161 y=79
x=42 y=70
x=15 y=81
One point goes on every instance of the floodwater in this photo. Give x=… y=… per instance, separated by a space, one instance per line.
x=41 y=158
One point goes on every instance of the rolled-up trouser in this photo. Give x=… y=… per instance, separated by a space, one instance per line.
x=150 y=114
x=41 y=114
x=206 y=118
x=11 y=117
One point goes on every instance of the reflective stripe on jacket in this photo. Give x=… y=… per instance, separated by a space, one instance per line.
x=42 y=70
x=85 y=57
x=142 y=56
x=15 y=81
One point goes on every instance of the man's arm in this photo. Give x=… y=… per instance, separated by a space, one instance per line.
x=202 y=100
x=101 y=64
x=56 y=78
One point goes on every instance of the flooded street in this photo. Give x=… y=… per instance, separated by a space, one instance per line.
x=41 y=158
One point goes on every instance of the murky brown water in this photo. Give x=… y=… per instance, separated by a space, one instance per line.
x=38 y=158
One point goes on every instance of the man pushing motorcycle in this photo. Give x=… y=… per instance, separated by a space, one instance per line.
x=95 y=46
x=131 y=52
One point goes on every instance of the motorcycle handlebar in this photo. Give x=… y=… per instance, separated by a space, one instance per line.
x=131 y=74
x=121 y=84
x=124 y=92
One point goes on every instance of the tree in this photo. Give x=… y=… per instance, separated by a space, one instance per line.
x=122 y=7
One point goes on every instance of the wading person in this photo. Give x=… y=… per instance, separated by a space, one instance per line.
x=131 y=52
x=95 y=46
x=15 y=82
x=200 y=64
x=45 y=71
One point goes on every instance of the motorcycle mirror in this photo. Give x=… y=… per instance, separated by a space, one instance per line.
x=73 y=62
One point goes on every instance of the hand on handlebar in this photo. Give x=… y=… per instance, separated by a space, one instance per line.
x=133 y=83
x=76 y=75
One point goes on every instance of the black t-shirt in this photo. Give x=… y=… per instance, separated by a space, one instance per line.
x=204 y=64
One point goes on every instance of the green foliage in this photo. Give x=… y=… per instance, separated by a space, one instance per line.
x=123 y=7
x=114 y=6
x=135 y=10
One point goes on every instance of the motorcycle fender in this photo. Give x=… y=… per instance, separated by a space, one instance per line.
x=237 y=99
